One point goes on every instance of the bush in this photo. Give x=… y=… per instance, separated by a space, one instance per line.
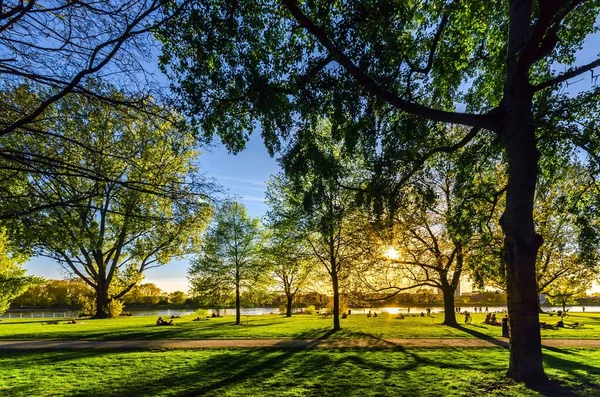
x=310 y=309
x=114 y=308
x=202 y=313
x=87 y=305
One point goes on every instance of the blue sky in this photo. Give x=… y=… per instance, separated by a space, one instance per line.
x=244 y=175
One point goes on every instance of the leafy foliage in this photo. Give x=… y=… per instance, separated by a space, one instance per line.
x=227 y=262
x=13 y=281
x=132 y=198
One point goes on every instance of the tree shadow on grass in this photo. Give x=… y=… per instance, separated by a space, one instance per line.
x=269 y=365
x=480 y=335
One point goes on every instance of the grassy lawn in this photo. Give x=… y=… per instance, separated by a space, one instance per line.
x=414 y=372
x=276 y=326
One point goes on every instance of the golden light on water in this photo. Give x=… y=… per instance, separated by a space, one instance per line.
x=391 y=253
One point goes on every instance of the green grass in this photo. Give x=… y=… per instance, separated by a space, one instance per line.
x=398 y=372
x=276 y=326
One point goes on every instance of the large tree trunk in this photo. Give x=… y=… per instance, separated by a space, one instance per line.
x=449 y=309
x=521 y=242
x=288 y=312
x=101 y=300
x=336 y=301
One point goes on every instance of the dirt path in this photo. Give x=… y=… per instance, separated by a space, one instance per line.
x=278 y=344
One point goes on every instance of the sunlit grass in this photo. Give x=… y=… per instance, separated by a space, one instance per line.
x=399 y=372
x=277 y=326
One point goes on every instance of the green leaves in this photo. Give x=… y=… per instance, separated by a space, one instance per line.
x=227 y=258
x=117 y=189
x=13 y=281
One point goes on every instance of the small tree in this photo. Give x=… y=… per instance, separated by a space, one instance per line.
x=177 y=298
x=227 y=260
x=13 y=281
x=289 y=257
x=567 y=290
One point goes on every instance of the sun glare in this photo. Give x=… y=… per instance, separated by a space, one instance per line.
x=391 y=253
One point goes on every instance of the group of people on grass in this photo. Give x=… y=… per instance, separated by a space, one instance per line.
x=459 y=309
x=490 y=318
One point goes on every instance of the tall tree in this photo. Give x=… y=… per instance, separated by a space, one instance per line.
x=227 y=260
x=283 y=65
x=144 y=206
x=312 y=195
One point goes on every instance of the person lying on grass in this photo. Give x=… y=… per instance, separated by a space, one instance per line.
x=160 y=321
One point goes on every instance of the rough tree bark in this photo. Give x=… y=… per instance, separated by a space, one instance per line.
x=449 y=308
x=336 y=300
x=101 y=299
x=237 y=298
x=288 y=311
x=521 y=242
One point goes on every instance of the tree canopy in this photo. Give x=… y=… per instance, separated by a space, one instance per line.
x=402 y=67
x=13 y=281
x=144 y=203
x=227 y=263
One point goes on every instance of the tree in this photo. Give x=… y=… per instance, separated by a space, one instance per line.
x=13 y=281
x=63 y=44
x=283 y=65
x=568 y=289
x=177 y=298
x=68 y=292
x=145 y=206
x=311 y=196
x=144 y=294
x=227 y=260
x=565 y=216
x=286 y=250
x=436 y=238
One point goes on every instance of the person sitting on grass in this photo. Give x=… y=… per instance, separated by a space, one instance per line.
x=468 y=318
x=493 y=320
x=159 y=321
x=488 y=318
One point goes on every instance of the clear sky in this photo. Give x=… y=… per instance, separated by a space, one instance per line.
x=244 y=175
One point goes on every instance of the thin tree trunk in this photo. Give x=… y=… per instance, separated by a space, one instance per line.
x=288 y=312
x=336 y=301
x=237 y=302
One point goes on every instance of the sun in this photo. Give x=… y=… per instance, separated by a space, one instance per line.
x=391 y=253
